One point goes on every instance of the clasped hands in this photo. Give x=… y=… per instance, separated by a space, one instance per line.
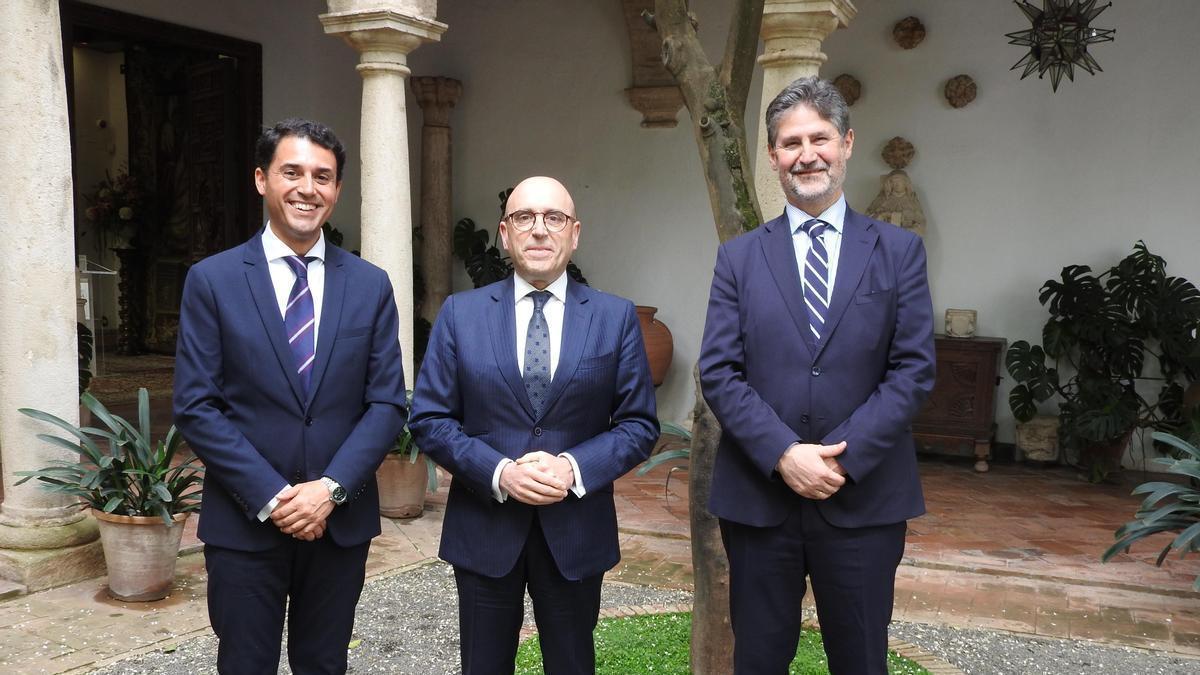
x=812 y=470
x=302 y=510
x=537 y=478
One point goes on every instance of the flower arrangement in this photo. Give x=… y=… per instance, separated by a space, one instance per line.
x=113 y=205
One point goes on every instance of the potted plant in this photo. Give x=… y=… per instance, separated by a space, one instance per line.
x=134 y=488
x=404 y=476
x=1101 y=331
x=1168 y=507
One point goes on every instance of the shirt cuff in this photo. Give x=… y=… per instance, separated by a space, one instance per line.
x=266 y=510
x=577 y=487
x=498 y=494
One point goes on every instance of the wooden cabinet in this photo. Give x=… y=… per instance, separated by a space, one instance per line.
x=960 y=416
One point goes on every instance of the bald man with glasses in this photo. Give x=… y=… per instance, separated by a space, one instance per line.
x=535 y=394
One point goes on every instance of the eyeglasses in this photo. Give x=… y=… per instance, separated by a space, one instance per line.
x=523 y=221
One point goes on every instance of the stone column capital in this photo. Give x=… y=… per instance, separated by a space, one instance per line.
x=436 y=96
x=841 y=10
x=382 y=37
x=793 y=31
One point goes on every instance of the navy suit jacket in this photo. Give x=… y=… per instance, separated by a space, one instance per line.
x=470 y=411
x=770 y=385
x=240 y=406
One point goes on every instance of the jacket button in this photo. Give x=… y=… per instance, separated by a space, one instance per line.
x=537 y=431
x=816 y=371
x=804 y=419
x=308 y=421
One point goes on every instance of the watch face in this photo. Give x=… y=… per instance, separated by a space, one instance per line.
x=339 y=495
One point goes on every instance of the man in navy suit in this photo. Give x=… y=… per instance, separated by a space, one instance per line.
x=817 y=354
x=289 y=387
x=535 y=393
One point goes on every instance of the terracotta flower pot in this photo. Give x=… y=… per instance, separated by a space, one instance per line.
x=1105 y=457
x=657 y=338
x=402 y=486
x=140 y=553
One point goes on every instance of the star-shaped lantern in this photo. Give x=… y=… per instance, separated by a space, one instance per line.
x=1059 y=38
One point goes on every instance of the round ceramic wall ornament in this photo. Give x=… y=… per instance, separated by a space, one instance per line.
x=960 y=91
x=898 y=153
x=908 y=32
x=849 y=87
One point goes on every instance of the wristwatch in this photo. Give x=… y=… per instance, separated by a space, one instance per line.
x=337 y=493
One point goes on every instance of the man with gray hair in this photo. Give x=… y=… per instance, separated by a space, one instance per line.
x=817 y=355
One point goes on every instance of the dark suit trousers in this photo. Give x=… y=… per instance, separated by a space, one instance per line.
x=491 y=610
x=249 y=592
x=853 y=573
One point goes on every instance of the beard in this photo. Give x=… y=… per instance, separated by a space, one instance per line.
x=815 y=188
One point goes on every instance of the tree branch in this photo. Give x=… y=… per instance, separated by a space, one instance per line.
x=741 y=48
x=720 y=134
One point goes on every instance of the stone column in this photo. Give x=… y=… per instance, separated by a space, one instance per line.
x=384 y=32
x=792 y=33
x=436 y=96
x=45 y=539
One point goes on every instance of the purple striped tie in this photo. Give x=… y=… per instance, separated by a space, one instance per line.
x=816 y=277
x=300 y=320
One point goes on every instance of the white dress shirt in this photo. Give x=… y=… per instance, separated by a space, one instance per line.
x=835 y=215
x=553 y=310
x=282 y=279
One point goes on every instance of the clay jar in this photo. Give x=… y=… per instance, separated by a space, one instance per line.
x=657 y=338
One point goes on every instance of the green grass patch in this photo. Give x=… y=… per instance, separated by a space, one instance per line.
x=658 y=643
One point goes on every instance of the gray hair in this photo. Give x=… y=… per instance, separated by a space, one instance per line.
x=818 y=94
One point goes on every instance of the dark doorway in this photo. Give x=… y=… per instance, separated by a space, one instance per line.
x=163 y=119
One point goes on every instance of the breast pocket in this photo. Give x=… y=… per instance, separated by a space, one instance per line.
x=879 y=295
x=352 y=333
x=603 y=361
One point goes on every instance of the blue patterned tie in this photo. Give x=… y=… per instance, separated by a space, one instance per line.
x=816 y=277
x=300 y=320
x=537 y=354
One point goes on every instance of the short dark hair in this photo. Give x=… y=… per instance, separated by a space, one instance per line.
x=818 y=94
x=264 y=149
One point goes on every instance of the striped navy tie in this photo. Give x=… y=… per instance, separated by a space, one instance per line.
x=300 y=320
x=816 y=277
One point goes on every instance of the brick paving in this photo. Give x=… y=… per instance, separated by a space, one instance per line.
x=1015 y=549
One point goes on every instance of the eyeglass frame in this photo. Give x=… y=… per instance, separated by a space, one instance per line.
x=511 y=218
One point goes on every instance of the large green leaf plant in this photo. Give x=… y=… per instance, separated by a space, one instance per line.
x=1104 y=329
x=120 y=469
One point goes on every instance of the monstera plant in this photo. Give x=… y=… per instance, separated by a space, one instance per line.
x=1107 y=333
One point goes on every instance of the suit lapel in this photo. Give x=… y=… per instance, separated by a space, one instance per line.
x=258 y=278
x=331 y=314
x=577 y=321
x=780 y=253
x=858 y=240
x=502 y=321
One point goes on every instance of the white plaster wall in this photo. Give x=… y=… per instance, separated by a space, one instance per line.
x=543 y=93
x=1023 y=181
x=305 y=72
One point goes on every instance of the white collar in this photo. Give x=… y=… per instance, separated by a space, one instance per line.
x=275 y=249
x=557 y=288
x=835 y=215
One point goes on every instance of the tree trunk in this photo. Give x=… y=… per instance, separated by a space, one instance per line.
x=712 y=633
x=716 y=101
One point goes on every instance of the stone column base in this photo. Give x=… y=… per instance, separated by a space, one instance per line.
x=43 y=557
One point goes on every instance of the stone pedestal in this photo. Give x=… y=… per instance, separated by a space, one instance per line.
x=792 y=33
x=45 y=539
x=436 y=96
x=383 y=33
